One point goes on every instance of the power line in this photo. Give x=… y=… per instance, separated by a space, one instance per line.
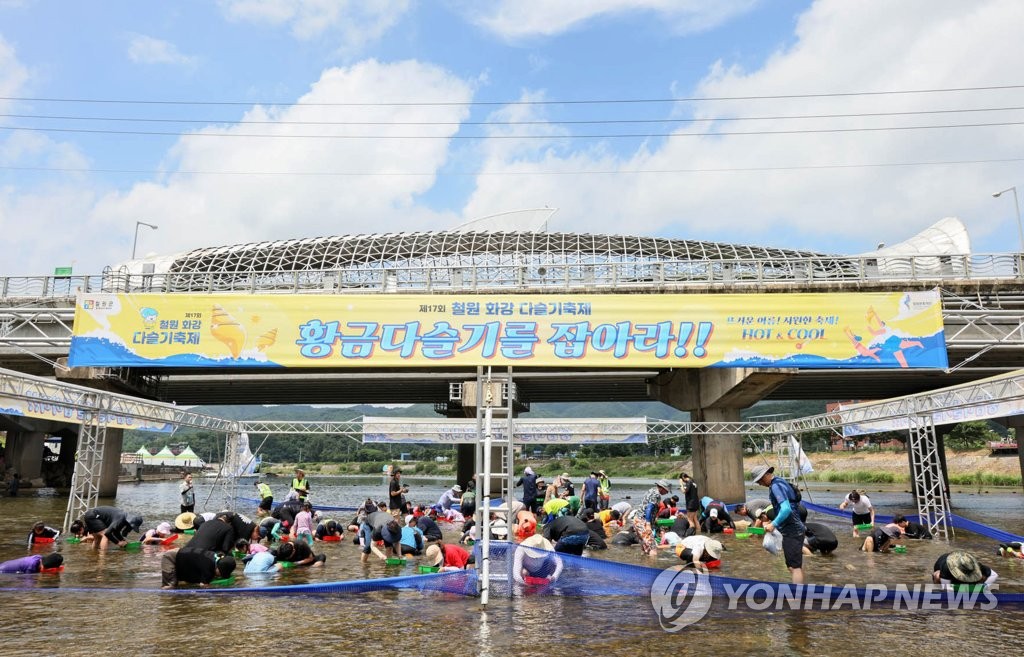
x=637 y=135
x=608 y=101
x=521 y=173
x=514 y=123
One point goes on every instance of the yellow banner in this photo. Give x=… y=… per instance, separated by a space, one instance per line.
x=856 y=330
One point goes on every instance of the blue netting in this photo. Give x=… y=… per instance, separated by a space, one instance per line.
x=958 y=522
x=582 y=576
x=460 y=583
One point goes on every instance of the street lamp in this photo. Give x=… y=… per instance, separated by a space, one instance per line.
x=1016 y=204
x=150 y=225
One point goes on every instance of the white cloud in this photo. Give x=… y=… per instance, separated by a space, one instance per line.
x=144 y=49
x=12 y=74
x=840 y=46
x=202 y=210
x=517 y=19
x=353 y=23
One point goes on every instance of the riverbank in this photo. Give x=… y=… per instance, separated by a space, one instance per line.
x=968 y=468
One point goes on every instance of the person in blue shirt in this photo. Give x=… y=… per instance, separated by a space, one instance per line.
x=591 y=487
x=784 y=499
x=412 y=538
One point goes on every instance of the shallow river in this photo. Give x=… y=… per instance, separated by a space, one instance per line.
x=110 y=602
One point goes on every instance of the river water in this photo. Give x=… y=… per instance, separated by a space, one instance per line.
x=110 y=602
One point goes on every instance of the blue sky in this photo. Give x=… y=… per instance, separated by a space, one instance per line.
x=293 y=69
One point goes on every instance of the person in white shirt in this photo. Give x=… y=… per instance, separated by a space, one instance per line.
x=863 y=512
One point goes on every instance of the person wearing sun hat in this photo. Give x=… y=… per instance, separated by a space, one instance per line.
x=536 y=557
x=447 y=557
x=699 y=549
x=184 y=521
x=961 y=567
x=451 y=496
x=784 y=499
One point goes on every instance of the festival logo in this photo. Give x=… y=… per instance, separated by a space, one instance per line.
x=681 y=597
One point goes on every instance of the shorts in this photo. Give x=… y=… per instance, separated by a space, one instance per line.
x=267 y=503
x=692 y=506
x=94 y=524
x=862 y=518
x=793 y=549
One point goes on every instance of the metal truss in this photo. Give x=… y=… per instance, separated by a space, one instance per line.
x=85 y=480
x=34 y=327
x=929 y=482
x=58 y=398
x=345 y=428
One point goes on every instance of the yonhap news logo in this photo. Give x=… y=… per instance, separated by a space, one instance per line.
x=681 y=597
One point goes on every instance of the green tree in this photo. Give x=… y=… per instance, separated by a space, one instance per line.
x=970 y=435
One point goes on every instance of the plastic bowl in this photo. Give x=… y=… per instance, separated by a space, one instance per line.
x=238 y=554
x=224 y=581
x=969 y=588
x=742 y=535
x=715 y=563
x=394 y=561
x=664 y=522
x=189 y=531
x=72 y=540
x=728 y=530
x=427 y=569
x=328 y=539
x=58 y=569
x=133 y=545
x=900 y=549
x=757 y=531
x=536 y=581
x=866 y=527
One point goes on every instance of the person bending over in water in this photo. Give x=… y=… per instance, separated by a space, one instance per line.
x=820 y=539
x=34 y=563
x=961 y=567
x=536 y=557
x=193 y=567
x=881 y=539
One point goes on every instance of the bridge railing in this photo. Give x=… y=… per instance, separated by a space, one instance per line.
x=534 y=276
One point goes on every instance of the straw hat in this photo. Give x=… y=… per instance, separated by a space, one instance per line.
x=185 y=521
x=540 y=543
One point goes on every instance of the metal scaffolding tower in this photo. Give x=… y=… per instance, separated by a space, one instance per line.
x=926 y=468
x=85 y=481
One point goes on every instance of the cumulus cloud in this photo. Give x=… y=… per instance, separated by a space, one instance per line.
x=839 y=47
x=516 y=19
x=353 y=23
x=144 y=49
x=203 y=210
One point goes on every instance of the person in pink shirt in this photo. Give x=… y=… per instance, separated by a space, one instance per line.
x=303 y=527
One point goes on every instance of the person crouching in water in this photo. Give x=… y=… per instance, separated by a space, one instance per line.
x=820 y=539
x=698 y=550
x=535 y=557
x=300 y=554
x=881 y=538
x=193 y=566
x=31 y=564
x=961 y=567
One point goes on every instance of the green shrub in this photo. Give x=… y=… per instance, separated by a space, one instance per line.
x=371 y=467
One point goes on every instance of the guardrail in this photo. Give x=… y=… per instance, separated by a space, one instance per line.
x=539 y=276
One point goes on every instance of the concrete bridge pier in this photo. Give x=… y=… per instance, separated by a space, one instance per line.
x=1016 y=422
x=23 y=453
x=717 y=395
x=112 y=445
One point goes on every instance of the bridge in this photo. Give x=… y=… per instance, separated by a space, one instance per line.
x=982 y=300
